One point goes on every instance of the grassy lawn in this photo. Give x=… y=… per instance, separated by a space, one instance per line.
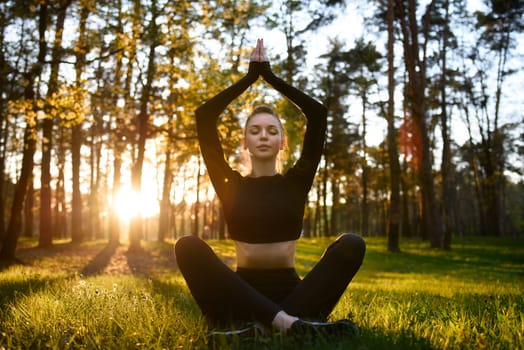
x=89 y=297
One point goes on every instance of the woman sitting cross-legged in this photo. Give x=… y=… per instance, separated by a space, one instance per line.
x=264 y=213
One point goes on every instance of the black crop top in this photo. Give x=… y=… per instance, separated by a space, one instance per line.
x=262 y=209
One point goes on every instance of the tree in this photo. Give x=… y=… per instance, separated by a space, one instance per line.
x=4 y=131
x=124 y=46
x=363 y=63
x=81 y=49
x=394 y=210
x=46 y=219
x=28 y=108
x=503 y=20
x=448 y=202
x=415 y=64
x=340 y=139
x=153 y=37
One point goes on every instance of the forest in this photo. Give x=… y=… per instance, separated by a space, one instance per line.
x=97 y=101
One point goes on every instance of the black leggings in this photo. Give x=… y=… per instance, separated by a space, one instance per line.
x=226 y=296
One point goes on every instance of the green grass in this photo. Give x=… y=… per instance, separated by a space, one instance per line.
x=468 y=298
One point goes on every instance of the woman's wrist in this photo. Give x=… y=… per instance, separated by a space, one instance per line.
x=258 y=68
x=266 y=72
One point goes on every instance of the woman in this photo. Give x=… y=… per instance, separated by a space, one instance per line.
x=264 y=212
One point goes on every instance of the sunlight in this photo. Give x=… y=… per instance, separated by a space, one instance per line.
x=128 y=203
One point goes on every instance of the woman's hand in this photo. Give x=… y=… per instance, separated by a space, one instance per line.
x=259 y=54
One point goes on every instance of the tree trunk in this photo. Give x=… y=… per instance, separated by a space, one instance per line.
x=196 y=206
x=4 y=131
x=114 y=220
x=136 y=233
x=394 y=212
x=119 y=144
x=364 y=214
x=416 y=68
x=29 y=204
x=15 y=222
x=335 y=194
x=46 y=227
x=77 y=234
x=165 y=203
x=60 y=221
x=324 y=218
x=8 y=250
x=448 y=183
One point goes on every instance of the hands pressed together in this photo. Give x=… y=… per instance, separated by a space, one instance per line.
x=259 y=54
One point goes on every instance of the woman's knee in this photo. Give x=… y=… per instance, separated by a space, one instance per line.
x=353 y=245
x=187 y=247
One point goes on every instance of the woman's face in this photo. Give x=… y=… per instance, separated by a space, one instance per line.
x=263 y=138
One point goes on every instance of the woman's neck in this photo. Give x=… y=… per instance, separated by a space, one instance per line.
x=262 y=169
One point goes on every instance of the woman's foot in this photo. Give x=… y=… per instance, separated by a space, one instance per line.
x=291 y=325
x=283 y=321
x=337 y=328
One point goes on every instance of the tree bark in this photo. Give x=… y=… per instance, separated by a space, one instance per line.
x=416 y=68
x=136 y=233
x=46 y=227
x=196 y=206
x=29 y=206
x=77 y=234
x=394 y=211
x=364 y=213
x=164 y=222
x=8 y=250
x=448 y=183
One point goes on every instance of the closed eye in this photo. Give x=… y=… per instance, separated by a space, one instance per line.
x=254 y=130
x=273 y=131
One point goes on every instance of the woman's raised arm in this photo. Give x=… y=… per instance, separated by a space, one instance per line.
x=206 y=122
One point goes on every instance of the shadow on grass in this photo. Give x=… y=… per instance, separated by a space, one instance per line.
x=153 y=258
x=6 y=264
x=146 y=261
x=98 y=264
x=14 y=289
x=378 y=339
x=367 y=340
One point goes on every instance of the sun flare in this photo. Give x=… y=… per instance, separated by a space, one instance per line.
x=128 y=204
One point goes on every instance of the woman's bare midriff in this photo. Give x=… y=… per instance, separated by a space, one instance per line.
x=266 y=255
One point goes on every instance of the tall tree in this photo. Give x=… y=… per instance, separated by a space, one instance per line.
x=394 y=210
x=415 y=64
x=81 y=50
x=341 y=138
x=364 y=63
x=46 y=228
x=28 y=108
x=120 y=97
x=143 y=117
x=177 y=106
x=503 y=20
x=4 y=130
x=447 y=168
